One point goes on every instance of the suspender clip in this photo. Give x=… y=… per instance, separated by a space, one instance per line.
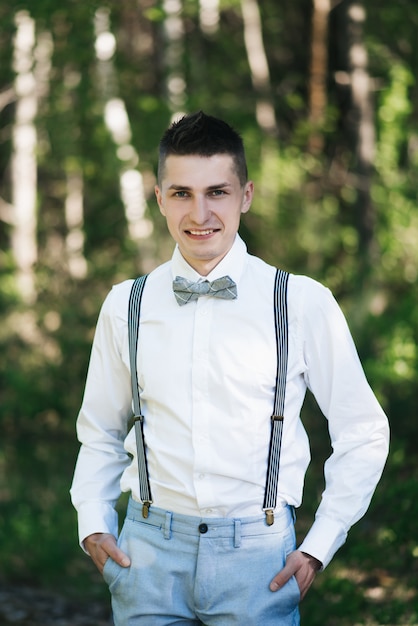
x=277 y=418
x=138 y=418
x=269 y=517
x=145 y=508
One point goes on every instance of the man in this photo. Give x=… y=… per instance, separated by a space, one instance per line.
x=204 y=552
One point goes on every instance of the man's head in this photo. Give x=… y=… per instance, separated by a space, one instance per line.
x=202 y=188
x=202 y=135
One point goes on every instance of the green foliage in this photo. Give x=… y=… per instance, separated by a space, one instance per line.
x=374 y=577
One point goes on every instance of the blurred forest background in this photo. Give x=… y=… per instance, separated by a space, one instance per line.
x=325 y=95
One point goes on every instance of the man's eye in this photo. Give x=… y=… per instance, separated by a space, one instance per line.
x=217 y=192
x=181 y=194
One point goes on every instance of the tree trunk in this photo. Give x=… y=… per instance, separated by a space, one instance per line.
x=363 y=130
x=257 y=60
x=173 y=55
x=23 y=162
x=318 y=72
x=209 y=16
x=117 y=121
x=74 y=217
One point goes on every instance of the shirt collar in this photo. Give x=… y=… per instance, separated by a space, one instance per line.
x=231 y=265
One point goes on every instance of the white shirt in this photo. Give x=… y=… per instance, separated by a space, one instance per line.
x=206 y=375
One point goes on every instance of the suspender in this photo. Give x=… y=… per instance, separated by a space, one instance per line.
x=133 y=328
x=281 y=328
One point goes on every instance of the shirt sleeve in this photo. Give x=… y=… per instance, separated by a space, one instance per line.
x=103 y=421
x=358 y=427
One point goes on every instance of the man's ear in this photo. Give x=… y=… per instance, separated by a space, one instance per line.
x=248 y=196
x=159 y=197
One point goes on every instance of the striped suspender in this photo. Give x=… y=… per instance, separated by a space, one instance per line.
x=133 y=328
x=281 y=327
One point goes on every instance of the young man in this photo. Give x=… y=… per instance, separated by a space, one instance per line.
x=204 y=552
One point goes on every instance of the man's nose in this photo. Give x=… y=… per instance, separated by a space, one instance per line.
x=199 y=212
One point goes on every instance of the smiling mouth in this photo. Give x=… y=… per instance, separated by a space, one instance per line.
x=201 y=233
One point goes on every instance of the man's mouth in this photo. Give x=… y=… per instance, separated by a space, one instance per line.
x=201 y=233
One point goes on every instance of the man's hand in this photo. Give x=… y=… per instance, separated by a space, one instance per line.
x=301 y=565
x=102 y=546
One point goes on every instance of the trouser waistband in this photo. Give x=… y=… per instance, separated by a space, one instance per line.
x=211 y=527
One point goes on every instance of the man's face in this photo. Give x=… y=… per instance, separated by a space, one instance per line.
x=202 y=201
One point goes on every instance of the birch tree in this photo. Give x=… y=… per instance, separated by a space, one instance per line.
x=23 y=161
x=173 y=55
x=7 y=96
x=257 y=59
x=209 y=16
x=74 y=218
x=117 y=121
x=363 y=127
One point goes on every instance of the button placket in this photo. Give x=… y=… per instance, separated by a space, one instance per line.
x=200 y=402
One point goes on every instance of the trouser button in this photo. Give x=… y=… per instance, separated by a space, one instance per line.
x=203 y=528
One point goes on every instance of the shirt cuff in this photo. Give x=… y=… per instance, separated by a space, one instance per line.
x=323 y=540
x=96 y=517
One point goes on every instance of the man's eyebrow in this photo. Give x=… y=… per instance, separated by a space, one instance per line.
x=179 y=187
x=176 y=187
x=219 y=186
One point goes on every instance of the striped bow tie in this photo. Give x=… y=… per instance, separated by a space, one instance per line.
x=186 y=290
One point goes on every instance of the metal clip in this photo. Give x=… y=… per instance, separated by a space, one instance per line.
x=145 y=509
x=269 y=517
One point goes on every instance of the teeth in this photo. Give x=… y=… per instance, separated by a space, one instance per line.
x=201 y=232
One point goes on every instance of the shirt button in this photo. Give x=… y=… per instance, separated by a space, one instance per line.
x=203 y=528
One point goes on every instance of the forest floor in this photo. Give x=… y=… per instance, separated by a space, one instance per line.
x=25 y=606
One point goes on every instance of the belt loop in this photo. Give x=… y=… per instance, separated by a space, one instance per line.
x=167 y=525
x=237 y=533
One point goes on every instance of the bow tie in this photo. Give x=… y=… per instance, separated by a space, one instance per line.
x=186 y=290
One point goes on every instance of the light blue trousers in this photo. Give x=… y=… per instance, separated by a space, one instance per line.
x=188 y=570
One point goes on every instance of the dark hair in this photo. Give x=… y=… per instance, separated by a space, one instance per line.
x=203 y=135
